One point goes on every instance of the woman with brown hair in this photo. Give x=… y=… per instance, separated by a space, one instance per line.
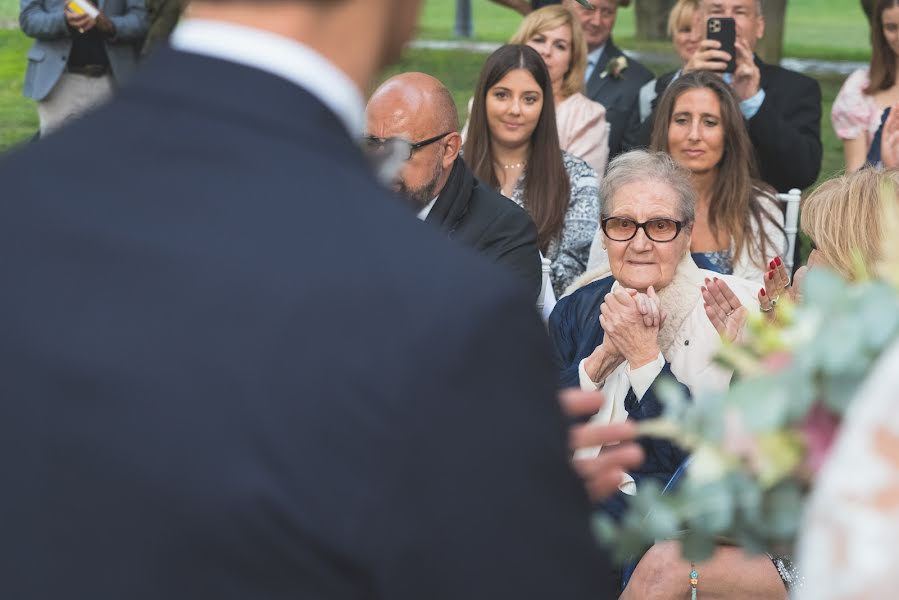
x=556 y=35
x=513 y=146
x=858 y=108
x=739 y=224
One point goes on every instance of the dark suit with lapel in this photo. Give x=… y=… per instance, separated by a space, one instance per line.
x=482 y=218
x=620 y=97
x=209 y=393
x=786 y=131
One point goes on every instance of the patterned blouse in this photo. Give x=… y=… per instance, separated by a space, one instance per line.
x=854 y=112
x=568 y=253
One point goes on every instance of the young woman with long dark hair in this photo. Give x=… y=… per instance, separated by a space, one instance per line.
x=513 y=146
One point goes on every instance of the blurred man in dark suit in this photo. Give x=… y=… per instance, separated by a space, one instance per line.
x=613 y=79
x=209 y=392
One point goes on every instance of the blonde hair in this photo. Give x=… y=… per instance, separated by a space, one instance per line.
x=550 y=17
x=845 y=218
x=681 y=12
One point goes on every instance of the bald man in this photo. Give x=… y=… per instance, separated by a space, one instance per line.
x=415 y=115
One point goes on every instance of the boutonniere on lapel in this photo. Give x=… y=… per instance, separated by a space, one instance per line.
x=615 y=67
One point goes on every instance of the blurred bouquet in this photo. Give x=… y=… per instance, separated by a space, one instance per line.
x=755 y=448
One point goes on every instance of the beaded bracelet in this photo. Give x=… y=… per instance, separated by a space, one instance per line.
x=694 y=579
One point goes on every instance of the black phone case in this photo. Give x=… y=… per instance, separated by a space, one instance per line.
x=724 y=29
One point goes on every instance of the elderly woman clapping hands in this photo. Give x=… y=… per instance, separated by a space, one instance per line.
x=621 y=333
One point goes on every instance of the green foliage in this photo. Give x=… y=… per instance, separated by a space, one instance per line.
x=19 y=118
x=751 y=450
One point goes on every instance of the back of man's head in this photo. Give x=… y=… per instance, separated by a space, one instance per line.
x=360 y=37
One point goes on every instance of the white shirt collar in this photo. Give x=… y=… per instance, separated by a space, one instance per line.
x=423 y=213
x=279 y=56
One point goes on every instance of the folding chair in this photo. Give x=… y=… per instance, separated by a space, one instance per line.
x=791 y=201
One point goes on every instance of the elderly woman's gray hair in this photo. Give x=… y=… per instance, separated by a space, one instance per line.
x=642 y=165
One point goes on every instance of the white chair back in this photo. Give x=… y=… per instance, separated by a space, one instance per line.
x=546 y=301
x=791 y=223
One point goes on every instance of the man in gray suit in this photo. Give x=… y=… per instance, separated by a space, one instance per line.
x=613 y=79
x=77 y=59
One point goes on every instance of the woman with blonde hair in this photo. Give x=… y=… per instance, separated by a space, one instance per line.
x=581 y=123
x=685 y=29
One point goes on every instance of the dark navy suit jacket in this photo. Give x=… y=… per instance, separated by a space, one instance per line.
x=208 y=391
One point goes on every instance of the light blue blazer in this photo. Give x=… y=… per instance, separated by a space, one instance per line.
x=44 y=20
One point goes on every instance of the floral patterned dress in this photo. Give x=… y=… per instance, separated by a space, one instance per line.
x=854 y=112
x=568 y=253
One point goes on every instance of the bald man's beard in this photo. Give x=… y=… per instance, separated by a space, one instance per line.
x=421 y=196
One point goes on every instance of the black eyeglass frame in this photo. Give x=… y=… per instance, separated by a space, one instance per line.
x=637 y=226
x=413 y=146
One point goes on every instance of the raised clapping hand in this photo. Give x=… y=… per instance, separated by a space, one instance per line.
x=631 y=322
x=777 y=285
x=724 y=309
x=889 y=140
x=603 y=472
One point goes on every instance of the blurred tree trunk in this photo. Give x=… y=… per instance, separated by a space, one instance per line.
x=652 y=19
x=770 y=47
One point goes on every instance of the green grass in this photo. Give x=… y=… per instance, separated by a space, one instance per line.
x=18 y=118
x=828 y=29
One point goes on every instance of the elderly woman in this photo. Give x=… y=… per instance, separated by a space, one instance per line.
x=620 y=333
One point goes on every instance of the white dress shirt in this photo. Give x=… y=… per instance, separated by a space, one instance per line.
x=278 y=55
x=423 y=213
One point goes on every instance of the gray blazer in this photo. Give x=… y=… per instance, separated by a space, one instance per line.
x=45 y=21
x=620 y=97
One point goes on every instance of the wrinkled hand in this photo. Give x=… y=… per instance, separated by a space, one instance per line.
x=747 y=78
x=623 y=323
x=889 y=140
x=708 y=57
x=81 y=22
x=725 y=311
x=601 y=473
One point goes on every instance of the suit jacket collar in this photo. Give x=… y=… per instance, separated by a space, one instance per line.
x=453 y=201
x=596 y=81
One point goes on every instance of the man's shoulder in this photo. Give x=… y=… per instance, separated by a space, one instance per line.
x=489 y=207
x=777 y=78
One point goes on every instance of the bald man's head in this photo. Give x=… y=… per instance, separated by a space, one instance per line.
x=417 y=100
x=417 y=107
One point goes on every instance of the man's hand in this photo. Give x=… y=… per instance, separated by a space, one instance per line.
x=82 y=22
x=747 y=78
x=105 y=25
x=602 y=473
x=708 y=57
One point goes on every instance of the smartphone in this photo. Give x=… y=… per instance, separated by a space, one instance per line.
x=724 y=29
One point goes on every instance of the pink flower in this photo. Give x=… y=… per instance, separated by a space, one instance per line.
x=778 y=361
x=819 y=430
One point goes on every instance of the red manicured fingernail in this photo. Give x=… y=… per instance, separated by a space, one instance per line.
x=715 y=278
x=763 y=292
x=777 y=260
x=771 y=265
x=770 y=275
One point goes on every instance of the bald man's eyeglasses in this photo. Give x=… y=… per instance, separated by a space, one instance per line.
x=376 y=147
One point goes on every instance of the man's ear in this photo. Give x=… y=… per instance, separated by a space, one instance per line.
x=759 y=27
x=451 y=151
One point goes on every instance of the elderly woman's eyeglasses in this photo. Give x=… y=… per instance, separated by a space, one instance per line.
x=380 y=147
x=619 y=229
